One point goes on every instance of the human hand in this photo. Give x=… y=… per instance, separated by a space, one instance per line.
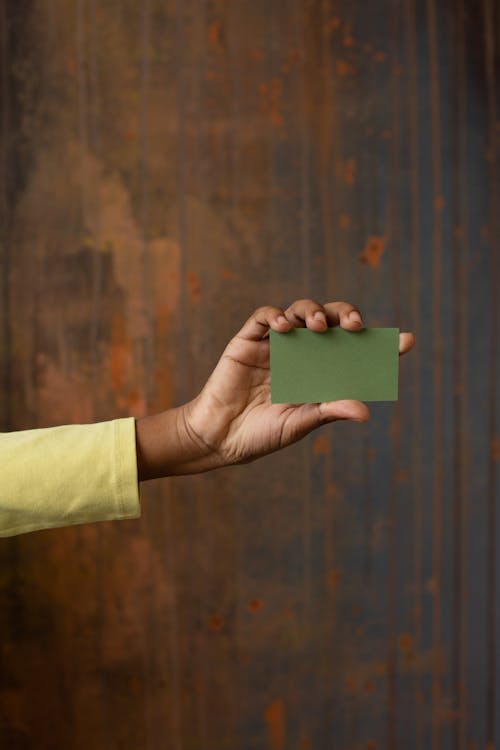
x=232 y=420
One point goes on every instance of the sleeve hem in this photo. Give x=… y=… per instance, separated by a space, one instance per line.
x=127 y=485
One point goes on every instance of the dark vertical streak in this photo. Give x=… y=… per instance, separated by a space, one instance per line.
x=460 y=315
x=329 y=134
x=368 y=514
x=5 y=336
x=202 y=519
x=148 y=343
x=181 y=172
x=145 y=196
x=417 y=391
x=182 y=317
x=457 y=521
x=93 y=96
x=394 y=234
x=87 y=61
x=92 y=125
x=239 y=250
x=305 y=198
x=489 y=60
x=272 y=70
x=82 y=106
x=437 y=500
x=305 y=269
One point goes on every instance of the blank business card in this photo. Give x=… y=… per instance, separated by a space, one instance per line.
x=310 y=367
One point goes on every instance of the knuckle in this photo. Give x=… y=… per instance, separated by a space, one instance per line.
x=305 y=306
x=297 y=303
x=347 y=307
x=266 y=311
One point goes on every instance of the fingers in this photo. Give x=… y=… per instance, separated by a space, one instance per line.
x=307 y=312
x=406 y=342
x=344 y=314
x=264 y=318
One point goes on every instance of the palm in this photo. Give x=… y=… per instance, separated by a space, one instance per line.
x=235 y=413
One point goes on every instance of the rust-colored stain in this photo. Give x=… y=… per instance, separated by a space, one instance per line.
x=431 y=585
x=194 y=287
x=402 y=476
x=345 y=221
x=214 y=34
x=350 y=685
x=439 y=203
x=373 y=251
x=495 y=449
x=333 y=579
x=450 y=714
x=332 y=24
x=346 y=170
x=274 y=716
x=369 y=687
x=117 y=356
x=215 y=623
x=344 y=68
x=271 y=95
x=136 y=685
x=331 y=490
x=255 y=605
x=227 y=274
x=405 y=642
x=256 y=53
x=289 y=613
x=321 y=445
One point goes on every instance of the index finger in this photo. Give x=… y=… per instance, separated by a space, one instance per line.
x=344 y=314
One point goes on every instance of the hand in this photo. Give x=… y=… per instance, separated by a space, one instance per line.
x=233 y=421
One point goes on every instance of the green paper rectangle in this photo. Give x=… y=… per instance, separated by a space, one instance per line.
x=310 y=367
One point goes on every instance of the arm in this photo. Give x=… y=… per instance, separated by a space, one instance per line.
x=81 y=473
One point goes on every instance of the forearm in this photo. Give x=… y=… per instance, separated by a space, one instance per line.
x=166 y=447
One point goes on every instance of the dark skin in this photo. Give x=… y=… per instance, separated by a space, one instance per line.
x=232 y=420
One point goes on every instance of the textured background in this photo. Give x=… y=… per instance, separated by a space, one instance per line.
x=166 y=167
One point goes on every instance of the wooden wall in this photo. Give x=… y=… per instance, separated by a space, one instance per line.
x=166 y=167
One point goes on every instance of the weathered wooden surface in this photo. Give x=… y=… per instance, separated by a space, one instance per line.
x=166 y=167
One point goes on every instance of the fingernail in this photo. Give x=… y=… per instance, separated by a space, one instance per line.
x=319 y=316
x=355 y=317
x=281 y=319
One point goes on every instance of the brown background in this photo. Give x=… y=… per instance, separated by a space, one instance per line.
x=166 y=167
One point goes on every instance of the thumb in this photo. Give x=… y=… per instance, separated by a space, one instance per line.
x=355 y=411
x=308 y=417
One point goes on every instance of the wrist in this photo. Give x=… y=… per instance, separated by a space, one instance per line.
x=167 y=446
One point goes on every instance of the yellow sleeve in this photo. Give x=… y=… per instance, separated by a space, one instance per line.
x=76 y=473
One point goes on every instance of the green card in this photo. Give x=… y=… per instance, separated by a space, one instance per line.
x=310 y=367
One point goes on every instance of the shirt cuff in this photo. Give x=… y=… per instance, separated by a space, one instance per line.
x=127 y=485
